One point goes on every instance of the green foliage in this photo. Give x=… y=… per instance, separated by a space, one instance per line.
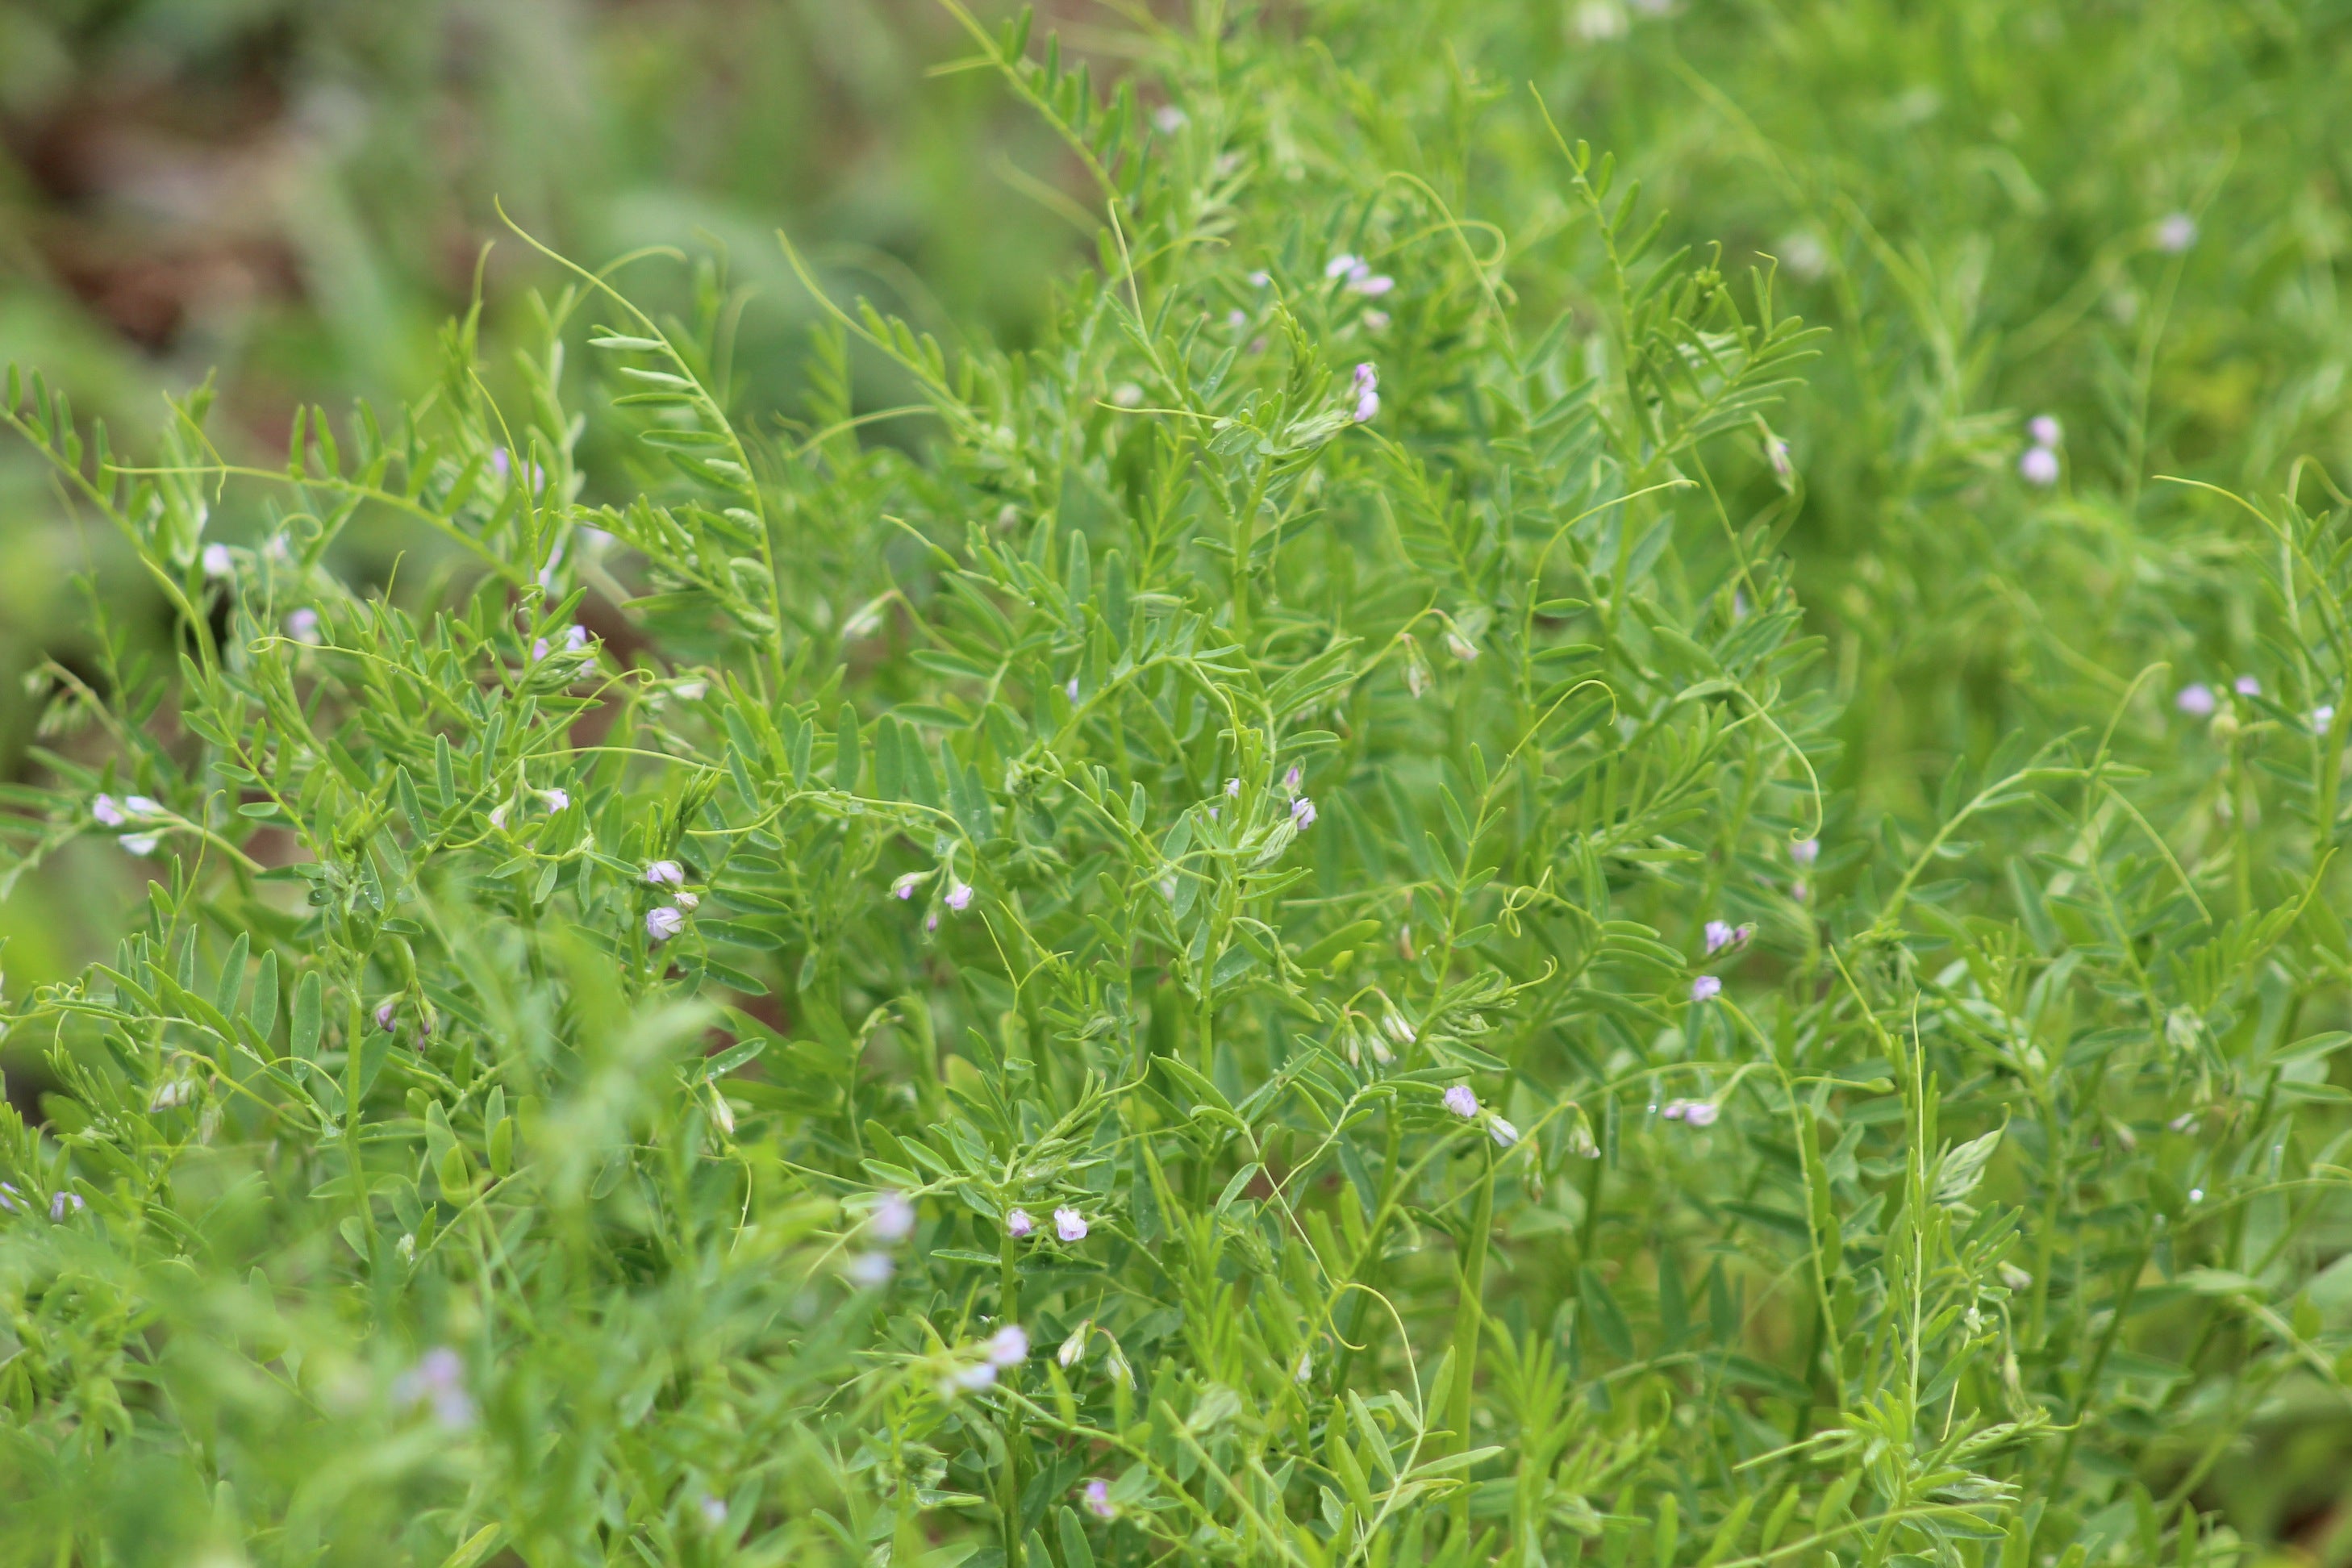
x=1268 y=946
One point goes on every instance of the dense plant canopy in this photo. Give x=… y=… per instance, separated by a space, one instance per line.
x=1260 y=941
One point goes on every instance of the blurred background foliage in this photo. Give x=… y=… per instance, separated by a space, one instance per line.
x=2132 y=216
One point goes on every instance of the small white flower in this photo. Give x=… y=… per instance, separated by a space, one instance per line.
x=1805 y=851
x=555 y=799
x=690 y=691
x=1069 y=1225
x=141 y=843
x=871 y=1270
x=2016 y=1278
x=1302 y=812
x=1169 y=118
x=714 y=1512
x=1076 y=1345
x=1305 y=1369
x=663 y=923
x=1373 y=284
x=498 y=814
x=2246 y=686
x=687 y=901
x=1071 y=689
x=177 y=1091
x=302 y=625
x=1260 y=279
x=1232 y=789
x=1375 y=321
x=1127 y=394
x=893 y=1217
x=1399 y=1029
x=1340 y=265
x=217 y=562
x=2323 y=716
x=665 y=874
x=1503 y=1132
x=1008 y=1347
x=722 y=1113
x=2039 y=467
x=1461 y=647
x=2176 y=233
x=1462 y=1100
x=2045 y=429
x=105 y=811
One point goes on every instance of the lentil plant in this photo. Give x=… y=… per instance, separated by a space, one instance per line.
x=1257 y=945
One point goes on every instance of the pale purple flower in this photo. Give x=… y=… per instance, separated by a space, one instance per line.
x=538 y=650
x=1503 y=1132
x=1236 y=320
x=931 y=920
x=663 y=923
x=2038 y=466
x=1376 y=320
x=498 y=814
x=960 y=897
x=216 y=560
x=1805 y=851
x=1290 y=780
x=893 y=1217
x=1098 y=1503
x=1721 y=935
x=105 y=813
x=2323 y=716
x=1340 y=266
x=1008 y=1347
x=62 y=1203
x=1169 y=118
x=9 y=1195
x=2247 y=686
x=1369 y=283
x=139 y=805
x=384 y=1014
x=141 y=843
x=1302 y=812
x=904 y=887
x=555 y=799
x=1368 y=376
x=1706 y=988
x=1776 y=451
x=438 y=1379
x=1232 y=789
x=665 y=874
x=1071 y=690
x=687 y=901
x=1069 y=1225
x=1367 y=407
x=1260 y=279
x=2045 y=429
x=871 y=1270
x=2176 y=233
x=2195 y=700
x=970 y=1378
x=1018 y=1225
x=714 y=1512
x=302 y=625
x=1462 y=1100
x=1693 y=1112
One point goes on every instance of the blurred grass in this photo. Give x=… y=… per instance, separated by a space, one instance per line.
x=296 y=197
